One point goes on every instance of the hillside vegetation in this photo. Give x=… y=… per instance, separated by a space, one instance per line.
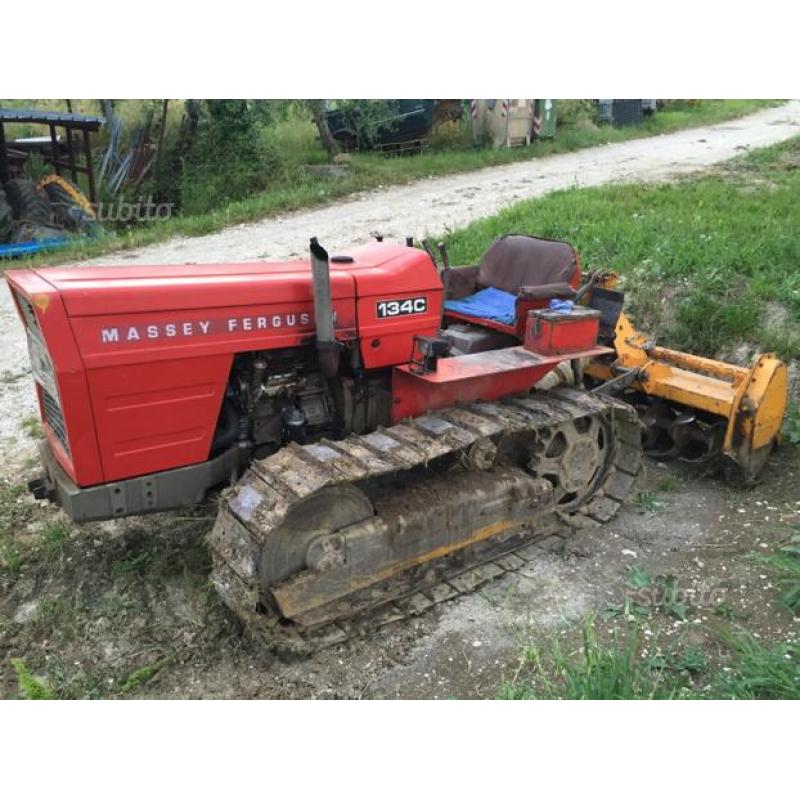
x=229 y=162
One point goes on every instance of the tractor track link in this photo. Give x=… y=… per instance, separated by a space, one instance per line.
x=255 y=509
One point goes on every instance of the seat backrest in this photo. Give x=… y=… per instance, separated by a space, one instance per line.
x=518 y=260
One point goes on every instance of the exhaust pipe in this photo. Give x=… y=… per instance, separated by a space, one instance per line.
x=327 y=346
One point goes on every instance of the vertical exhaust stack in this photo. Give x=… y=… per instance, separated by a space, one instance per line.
x=327 y=346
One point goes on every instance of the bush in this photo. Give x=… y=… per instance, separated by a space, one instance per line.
x=230 y=157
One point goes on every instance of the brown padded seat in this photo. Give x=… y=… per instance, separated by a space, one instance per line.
x=517 y=260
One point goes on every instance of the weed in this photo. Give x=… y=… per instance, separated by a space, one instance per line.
x=759 y=672
x=725 y=611
x=787 y=563
x=616 y=671
x=649 y=502
x=32 y=426
x=671 y=602
x=144 y=674
x=669 y=483
x=620 y=670
x=54 y=537
x=30 y=687
x=133 y=564
x=792 y=424
x=692 y=659
x=629 y=609
x=11 y=557
x=638 y=578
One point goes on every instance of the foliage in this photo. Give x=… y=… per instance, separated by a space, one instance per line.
x=623 y=668
x=54 y=537
x=759 y=672
x=615 y=671
x=30 y=687
x=786 y=562
x=366 y=119
x=230 y=158
x=144 y=674
x=792 y=425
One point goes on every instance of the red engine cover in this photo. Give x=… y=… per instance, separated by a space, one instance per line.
x=141 y=354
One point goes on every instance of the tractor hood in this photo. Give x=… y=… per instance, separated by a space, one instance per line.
x=133 y=289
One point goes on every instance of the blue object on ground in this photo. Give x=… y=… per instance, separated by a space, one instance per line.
x=30 y=248
x=490 y=303
x=561 y=306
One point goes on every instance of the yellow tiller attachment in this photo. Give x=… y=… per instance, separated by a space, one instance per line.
x=697 y=407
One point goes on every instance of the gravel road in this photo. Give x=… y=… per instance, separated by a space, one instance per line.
x=428 y=206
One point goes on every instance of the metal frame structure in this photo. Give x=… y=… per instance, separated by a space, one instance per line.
x=73 y=124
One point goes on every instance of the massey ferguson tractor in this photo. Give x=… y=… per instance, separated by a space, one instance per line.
x=385 y=427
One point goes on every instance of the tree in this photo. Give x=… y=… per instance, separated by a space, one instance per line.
x=326 y=137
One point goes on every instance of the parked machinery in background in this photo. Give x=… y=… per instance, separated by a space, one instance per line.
x=510 y=123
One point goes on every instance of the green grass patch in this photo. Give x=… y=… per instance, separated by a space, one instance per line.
x=649 y=502
x=12 y=516
x=295 y=186
x=786 y=563
x=596 y=671
x=32 y=426
x=54 y=538
x=134 y=564
x=707 y=263
x=144 y=674
x=624 y=666
x=758 y=672
x=792 y=424
x=30 y=687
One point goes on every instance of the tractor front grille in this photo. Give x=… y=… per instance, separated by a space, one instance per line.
x=54 y=418
x=26 y=307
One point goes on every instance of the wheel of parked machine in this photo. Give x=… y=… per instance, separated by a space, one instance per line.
x=6 y=218
x=71 y=206
x=29 y=203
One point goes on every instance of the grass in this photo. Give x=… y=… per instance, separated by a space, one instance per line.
x=649 y=502
x=786 y=563
x=295 y=186
x=706 y=263
x=144 y=674
x=758 y=672
x=625 y=667
x=792 y=424
x=12 y=555
x=30 y=687
x=614 y=671
x=54 y=537
x=32 y=426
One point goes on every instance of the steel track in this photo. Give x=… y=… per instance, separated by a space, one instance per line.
x=254 y=509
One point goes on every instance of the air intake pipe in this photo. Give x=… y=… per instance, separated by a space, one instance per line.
x=327 y=346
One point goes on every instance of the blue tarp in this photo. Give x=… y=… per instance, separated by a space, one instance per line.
x=30 y=248
x=490 y=303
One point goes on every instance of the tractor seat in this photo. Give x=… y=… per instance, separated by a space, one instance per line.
x=516 y=274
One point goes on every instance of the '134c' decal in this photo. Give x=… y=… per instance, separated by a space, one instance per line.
x=397 y=308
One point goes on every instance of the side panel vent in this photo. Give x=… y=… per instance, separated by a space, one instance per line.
x=54 y=418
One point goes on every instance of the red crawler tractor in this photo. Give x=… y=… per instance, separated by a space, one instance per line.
x=386 y=451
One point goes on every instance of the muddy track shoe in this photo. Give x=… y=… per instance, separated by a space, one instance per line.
x=321 y=542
